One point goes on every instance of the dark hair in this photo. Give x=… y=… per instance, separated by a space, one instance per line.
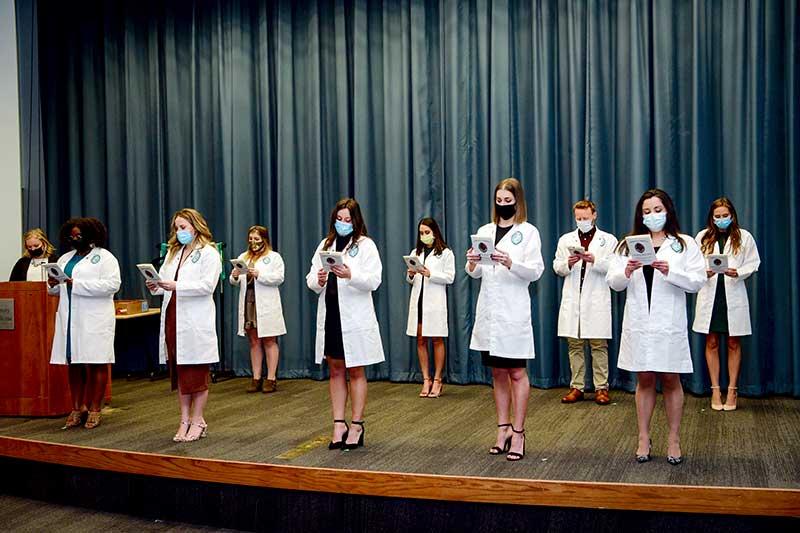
x=359 y=227
x=513 y=186
x=439 y=244
x=711 y=236
x=93 y=231
x=671 y=228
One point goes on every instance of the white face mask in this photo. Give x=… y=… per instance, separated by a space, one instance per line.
x=655 y=221
x=585 y=226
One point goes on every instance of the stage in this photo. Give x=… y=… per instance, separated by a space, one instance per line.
x=745 y=462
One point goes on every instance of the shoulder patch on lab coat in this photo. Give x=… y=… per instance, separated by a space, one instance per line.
x=196 y=256
x=676 y=246
x=353 y=251
x=266 y=260
x=516 y=238
x=95 y=259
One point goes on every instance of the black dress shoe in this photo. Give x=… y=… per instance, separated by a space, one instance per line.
x=354 y=445
x=646 y=458
x=339 y=443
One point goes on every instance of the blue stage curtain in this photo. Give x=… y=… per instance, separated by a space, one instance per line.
x=257 y=112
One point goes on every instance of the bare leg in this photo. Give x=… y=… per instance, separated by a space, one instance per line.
x=645 y=404
x=77 y=386
x=712 y=360
x=256 y=353
x=358 y=401
x=501 y=382
x=337 y=386
x=734 y=364
x=198 y=400
x=521 y=390
x=98 y=381
x=424 y=362
x=185 y=402
x=673 y=401
x=438 y=361
x=271 y=347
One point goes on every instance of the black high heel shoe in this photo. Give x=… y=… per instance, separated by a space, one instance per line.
x=497 y=450
x=645 y=458
x=674 y=460
x=338 y=444
x=516 y=456
x=352 y=446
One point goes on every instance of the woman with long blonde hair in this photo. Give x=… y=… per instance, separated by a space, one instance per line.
x=36 y=252
x=188 y=339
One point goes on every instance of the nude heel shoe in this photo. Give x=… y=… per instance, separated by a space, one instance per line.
x=731 y=406
x=716 y=406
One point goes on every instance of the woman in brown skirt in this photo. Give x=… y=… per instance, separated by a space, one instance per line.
x=188 y=341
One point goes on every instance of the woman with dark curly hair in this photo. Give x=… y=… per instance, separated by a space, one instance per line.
x=85 y=323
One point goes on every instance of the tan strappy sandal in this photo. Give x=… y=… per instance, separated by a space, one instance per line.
x=93 y=421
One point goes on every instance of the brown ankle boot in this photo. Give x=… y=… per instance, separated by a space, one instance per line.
x=255 y=385
x=271 y=385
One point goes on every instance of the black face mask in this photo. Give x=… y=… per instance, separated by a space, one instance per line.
x=36 y=252
x=505 y=211
x=79 y=244
x=257 y=246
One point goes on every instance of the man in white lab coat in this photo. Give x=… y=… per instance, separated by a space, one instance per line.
x=582 y=258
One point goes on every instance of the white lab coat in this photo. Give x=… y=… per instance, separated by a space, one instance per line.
x=656 y=339
x=503 y=315
x=195 y=311
x=434 y=299
x=746 y=262
x=269 y=312
x=95 y=280
x=585 y=314
x=361 y=335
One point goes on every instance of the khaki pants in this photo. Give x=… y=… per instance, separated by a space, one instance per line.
x=599 y=362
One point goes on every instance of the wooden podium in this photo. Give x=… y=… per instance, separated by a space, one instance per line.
x=29 y=384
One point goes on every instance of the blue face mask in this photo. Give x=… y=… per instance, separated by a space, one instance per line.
x=343 y=228
x=723 y=223
x=655 y=221
x=184 y=236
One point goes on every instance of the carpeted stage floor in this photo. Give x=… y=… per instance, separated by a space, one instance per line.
x=756 y=446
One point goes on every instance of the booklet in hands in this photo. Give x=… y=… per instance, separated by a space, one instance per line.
x=640 y=248
x=413 y=263
x=149 y=272
x=329 y=259
x=718 y=264
x=56 y=272
x=241 y=264
x=576 y=250
x=484 y=246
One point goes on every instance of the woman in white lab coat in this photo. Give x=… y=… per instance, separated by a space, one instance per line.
x=585 y=312
x=188 y=339
x=348 y=337
x=260 y=311
x=654 y=342
x=85 y=321
x=722 y=306
x=427 y=307
x=502 y=329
